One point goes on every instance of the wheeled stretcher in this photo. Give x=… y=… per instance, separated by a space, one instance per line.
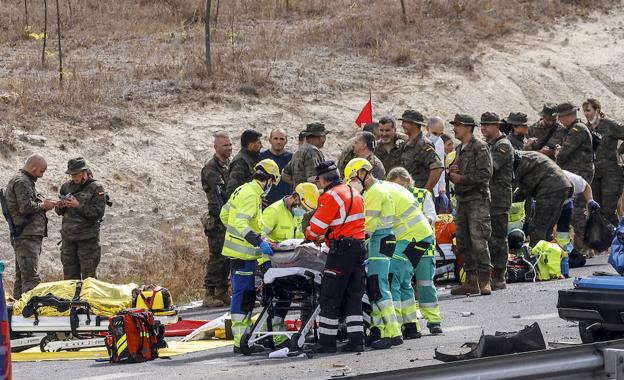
x=54 y=323
x=292 y=284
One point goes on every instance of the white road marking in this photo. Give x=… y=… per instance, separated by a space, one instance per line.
x=459 y=328
x=113 y=376
x=539 y=317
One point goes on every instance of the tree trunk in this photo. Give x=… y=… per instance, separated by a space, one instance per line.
x=58 y=32
x=207 y=30
x=45 y=30
x=216 y=19
x=403 y=11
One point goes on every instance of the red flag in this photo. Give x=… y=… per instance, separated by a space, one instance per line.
x=366 y=115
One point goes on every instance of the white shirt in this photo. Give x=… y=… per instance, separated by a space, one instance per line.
x=439 y=149
x=429 y=209
x=578 y=182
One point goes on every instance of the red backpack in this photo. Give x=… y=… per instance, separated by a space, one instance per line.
x=134 y=336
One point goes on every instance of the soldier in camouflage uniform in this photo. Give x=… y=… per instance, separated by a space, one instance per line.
x=302 y=166
x=28 y=214
x=500 y=189
x=348 y=152
x=214 y=179
x=471 y=173
x=364 y=147
x=576 y=155
x=388 y=149
x=242 y=167
x=517 y=122
x=539 y=177
x=608 y=178
x=82 y=206
x=418 y=155
x=542 y=137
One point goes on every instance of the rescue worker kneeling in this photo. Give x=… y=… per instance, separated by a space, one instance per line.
x=339 y=221
x=385 y=330
x=414 y=237
x=242 y=217
x=282 y=221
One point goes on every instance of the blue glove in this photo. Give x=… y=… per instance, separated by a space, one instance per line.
x=443 y=202
x=593 y=205
x=265 y=248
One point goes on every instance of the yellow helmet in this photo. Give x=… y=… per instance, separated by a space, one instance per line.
x=449 y=159
x=269 y=167
x=355 y=165
x=308 y=195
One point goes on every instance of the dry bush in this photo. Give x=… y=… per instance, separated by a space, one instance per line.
x=7 y=140
x=176 y=265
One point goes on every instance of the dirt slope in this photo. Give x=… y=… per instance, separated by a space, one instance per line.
x=152 y=168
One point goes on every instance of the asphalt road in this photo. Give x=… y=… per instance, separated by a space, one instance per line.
x=507 y=310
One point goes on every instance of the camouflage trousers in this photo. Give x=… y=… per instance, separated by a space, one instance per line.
x=80 y=258
x=499 y=248
x=473 y=232
x=218 y=266
x=547 y=212
x=607 y=190
x=27 y=251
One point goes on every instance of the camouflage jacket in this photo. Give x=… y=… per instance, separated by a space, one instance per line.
x=346 y=155
x=26 y=205
x=502 y=176
x=418 y=156
x=82 y=222
x=535 y=174
x=241 y=170
x=539 y=131
x=606 y=154
x=391 y=159
x=576 y=154
x=214 y=176
x=516 y=142
x=475 y=167
x=303 y=164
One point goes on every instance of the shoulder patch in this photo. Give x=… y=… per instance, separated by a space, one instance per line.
x=574 y=129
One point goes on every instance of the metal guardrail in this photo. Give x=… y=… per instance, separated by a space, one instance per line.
x=604 y=360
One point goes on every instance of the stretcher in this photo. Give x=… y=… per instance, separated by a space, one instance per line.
x=597 y=304
x=292 y=284
x=47 y=317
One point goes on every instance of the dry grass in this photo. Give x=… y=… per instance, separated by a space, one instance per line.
x=150 y=51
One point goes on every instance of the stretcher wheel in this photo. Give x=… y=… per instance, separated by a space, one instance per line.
x=244 y=344
x=45 y=340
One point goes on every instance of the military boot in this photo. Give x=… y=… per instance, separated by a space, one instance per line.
x=498 y=280
x=485 y=283
x=210 y=300
x=471 y=286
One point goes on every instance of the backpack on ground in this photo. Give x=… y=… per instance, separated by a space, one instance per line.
x=134 y=336
x=616 y=257
x=549 y=260
x=521 y=269
x=153 y=298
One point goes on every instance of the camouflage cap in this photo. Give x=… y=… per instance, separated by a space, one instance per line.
x=490 y=118
x=413 y=117
x=548 y=109
x=325 y=167
x=462 y=119
x=517 y=118
x=565 y=108
x=76 y=165
x=315 y=129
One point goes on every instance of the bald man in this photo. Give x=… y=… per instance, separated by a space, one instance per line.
x=278 y=153
x=28 y=217
x=435 y=130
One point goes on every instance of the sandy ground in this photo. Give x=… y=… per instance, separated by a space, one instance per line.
x=151 y=168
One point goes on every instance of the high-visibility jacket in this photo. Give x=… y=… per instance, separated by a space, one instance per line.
x=379 y=208
x=241 y=214
x=279 y=224
x=340 y=212
x=424 y=200
x=409 y=221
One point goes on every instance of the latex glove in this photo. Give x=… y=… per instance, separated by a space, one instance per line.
x=444 y=201
x=265 y=248
x=593 y=205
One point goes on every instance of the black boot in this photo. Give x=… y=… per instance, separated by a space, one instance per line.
x=353 y=348
x=410 y=331
x=382 y=344
x=397 y=340
x=373 y=335
x=323 y=349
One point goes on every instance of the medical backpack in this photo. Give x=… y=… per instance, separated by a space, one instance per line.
x=153 y=298
x=134 y=336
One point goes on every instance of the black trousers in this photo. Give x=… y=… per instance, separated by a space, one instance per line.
x=342 y=289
